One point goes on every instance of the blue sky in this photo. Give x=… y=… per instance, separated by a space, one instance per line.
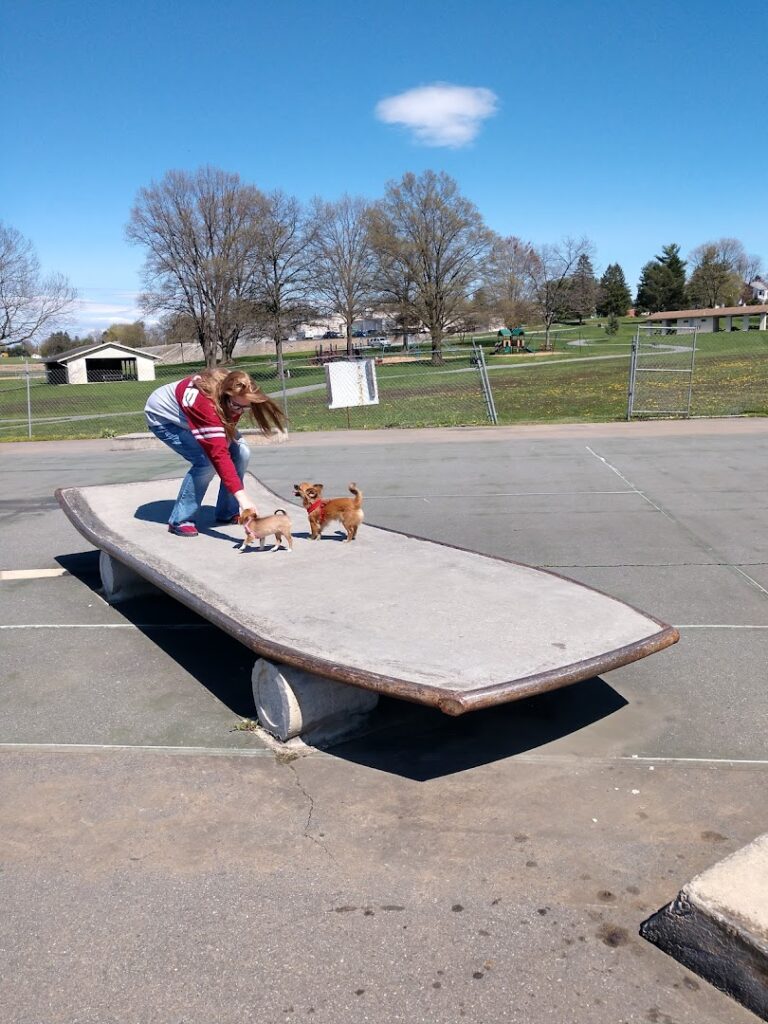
x=635 y=124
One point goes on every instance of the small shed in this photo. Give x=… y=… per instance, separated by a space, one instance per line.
x=100 y=363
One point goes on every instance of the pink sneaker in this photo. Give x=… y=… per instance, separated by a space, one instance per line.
x=183 y=529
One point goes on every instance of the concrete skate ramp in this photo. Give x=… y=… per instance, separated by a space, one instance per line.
x=406 y=617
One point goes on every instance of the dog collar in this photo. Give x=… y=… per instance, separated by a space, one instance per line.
x=315 y=505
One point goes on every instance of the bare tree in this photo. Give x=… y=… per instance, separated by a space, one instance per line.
x=505 y=280
x=548 y=272
x=201 y=235
x=753 y=268
x=134 y=335
x=280 y=287
x=343 y=261
x=29 y=301
x=718 y=272
x=430 y=243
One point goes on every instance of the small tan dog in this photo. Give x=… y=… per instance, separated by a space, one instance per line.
x=347 y=511
x=260 y=527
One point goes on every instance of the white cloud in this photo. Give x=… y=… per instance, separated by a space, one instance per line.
x=440 y=114
x=98 y=313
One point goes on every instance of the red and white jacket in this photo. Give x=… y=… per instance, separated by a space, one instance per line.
x=182 y=404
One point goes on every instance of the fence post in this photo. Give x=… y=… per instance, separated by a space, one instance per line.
x=485 y=382
x=29 y=400
x=281 y=367
x=632 y=368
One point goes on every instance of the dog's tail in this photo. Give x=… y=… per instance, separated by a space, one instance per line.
x=358 y=495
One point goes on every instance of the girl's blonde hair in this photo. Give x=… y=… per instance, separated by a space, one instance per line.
x=220 y=384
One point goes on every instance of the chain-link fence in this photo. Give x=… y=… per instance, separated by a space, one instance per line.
x=679 y=371
x=582 y=375
x=661 y=373
x=416 y=388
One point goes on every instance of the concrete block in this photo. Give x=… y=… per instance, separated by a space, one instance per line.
x=120 y=582
x=718 y=926
x=291 y=702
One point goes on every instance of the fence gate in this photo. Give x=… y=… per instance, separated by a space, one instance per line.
x=478 y=358
x=661 y=372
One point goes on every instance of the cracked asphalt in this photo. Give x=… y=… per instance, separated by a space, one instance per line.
x=160 y=865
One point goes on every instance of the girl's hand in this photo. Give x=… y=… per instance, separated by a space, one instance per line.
x=244 y=501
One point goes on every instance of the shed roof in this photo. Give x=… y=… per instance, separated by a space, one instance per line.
x=679 y=314
x=74 y=353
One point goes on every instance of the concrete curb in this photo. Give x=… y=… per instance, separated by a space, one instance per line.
x=736 y=426
x=718 y=926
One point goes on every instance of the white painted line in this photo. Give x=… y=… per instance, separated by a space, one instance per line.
x=749 y=578
x=95 y=748
x=629 y=483
x=701 y=625
x=31 y=574
x=494 y=494
x=210 y=625
x=111 y=625
x=693 y=760
x=571 y=759
x=707 y=547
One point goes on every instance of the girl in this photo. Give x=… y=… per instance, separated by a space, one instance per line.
x=198 y=417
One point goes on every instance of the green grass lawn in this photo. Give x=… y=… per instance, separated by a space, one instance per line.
x=584 y=382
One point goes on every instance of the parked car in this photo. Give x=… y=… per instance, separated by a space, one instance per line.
x=331 y=334
x=379 y=342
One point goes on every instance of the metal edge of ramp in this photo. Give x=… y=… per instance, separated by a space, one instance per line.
x=451 y=702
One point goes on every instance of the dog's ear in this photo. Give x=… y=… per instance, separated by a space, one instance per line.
x=318 y=488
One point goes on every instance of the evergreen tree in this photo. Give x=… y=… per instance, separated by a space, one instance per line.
x=612 y=327
x=662 y=282
x=613 y=296
x=582 y=293
x=670 y=258
x=57 y=342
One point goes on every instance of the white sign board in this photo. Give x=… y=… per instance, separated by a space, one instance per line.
x=351 y=383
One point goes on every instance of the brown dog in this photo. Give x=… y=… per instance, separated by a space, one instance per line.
x=260 y=527
x=347 y=511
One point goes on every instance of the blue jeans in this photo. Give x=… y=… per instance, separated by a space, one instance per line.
x=201 y=472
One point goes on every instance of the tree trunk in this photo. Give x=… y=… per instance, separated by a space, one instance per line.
x=228 y=348
x=348 y=329
x=209 y=347
x=437 y=346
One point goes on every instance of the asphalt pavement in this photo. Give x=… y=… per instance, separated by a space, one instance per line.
x=159 y=864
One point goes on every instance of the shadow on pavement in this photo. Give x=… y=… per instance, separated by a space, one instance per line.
x=403 y=739
x=221 y=664
x=422 y=743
